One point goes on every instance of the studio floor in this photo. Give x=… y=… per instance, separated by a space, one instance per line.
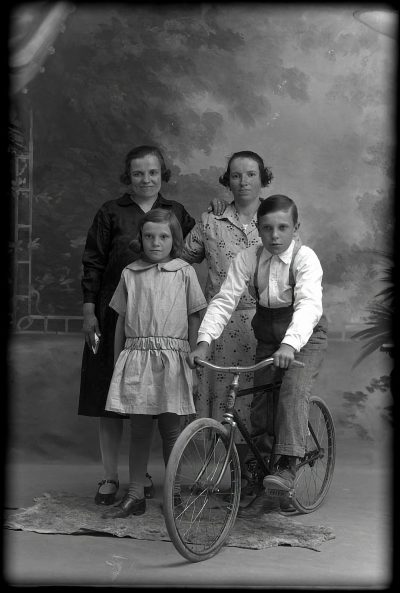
x=358 y=508
x=52 y=448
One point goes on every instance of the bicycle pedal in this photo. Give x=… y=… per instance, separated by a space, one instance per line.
x=279 y=492
x=276 y=492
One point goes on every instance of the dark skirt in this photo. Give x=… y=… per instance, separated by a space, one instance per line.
x=97 y=369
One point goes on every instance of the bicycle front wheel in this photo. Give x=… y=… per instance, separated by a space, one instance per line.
x=315 y=470
x=198 y=512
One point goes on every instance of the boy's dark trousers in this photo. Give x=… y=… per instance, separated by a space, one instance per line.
x=283 y=417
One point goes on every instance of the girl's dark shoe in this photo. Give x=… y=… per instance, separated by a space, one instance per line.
x=108 y=498
x=149 y=489
x=127 y=506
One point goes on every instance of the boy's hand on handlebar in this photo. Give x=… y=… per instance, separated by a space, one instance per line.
x=200 y=352
x=283 y=356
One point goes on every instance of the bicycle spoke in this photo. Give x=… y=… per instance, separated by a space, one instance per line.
x=199 y=526
x=314 y=477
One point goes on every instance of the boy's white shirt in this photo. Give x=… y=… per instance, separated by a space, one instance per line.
x=307 y=273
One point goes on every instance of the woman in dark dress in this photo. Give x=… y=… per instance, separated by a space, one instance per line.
x=106 y=253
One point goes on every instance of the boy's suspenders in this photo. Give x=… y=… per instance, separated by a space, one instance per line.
x=255 y=279
x=292 y=281
x=296 y=248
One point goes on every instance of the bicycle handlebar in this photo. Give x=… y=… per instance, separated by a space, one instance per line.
x=248 y=369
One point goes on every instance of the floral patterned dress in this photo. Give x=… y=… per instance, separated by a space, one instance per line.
x=217 y=239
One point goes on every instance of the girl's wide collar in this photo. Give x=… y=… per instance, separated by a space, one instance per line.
x=170 y=266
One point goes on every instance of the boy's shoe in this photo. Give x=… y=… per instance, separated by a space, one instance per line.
x=108 y=498
x=127 y=506
x=286 y=506
x=260 y=505
x=282 y=479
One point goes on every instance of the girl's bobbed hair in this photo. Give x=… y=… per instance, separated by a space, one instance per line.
x=265 y=173
x=275 y=203
x=138 y=153
x=160 y=215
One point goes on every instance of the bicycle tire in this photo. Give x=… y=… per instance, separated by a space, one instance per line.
x=313 y=478
x=199 y=526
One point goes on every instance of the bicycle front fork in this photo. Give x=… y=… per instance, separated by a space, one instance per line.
x=229 y=419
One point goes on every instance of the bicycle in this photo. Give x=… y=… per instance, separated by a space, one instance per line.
x=203 y=478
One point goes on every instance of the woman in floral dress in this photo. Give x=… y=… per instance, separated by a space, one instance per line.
x=217 y=239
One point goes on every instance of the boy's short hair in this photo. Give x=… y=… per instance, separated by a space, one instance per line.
x=160 y=215
x=275 y=203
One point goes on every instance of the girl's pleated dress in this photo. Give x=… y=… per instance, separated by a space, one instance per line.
x=152 y=375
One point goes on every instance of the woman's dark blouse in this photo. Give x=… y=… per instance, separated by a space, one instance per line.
x=107 y=249
x=106 y=254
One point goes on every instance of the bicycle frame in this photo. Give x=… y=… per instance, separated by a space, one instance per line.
x=233 y=420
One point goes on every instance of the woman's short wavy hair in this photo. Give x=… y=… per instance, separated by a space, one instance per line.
x=138 y=153
x=160 y=215
x=265 y=173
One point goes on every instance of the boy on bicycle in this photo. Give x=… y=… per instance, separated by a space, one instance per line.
x=285 y=277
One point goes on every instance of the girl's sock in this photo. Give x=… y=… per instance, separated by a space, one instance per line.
x=140 y=444
x=170 y=427
x=136 y=490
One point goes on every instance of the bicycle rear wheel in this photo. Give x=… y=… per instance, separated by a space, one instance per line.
x=315 y=471
x=200 y=524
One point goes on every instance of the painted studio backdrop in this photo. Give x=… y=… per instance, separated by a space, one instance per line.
x=310 y=88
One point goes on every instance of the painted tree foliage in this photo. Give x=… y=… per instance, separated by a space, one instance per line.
x=202 y=81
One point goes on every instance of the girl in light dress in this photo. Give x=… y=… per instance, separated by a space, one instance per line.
x=158 y=301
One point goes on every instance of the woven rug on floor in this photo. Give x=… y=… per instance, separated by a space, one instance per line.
x=64 y=513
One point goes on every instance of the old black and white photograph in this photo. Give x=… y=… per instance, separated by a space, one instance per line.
x=201 y=295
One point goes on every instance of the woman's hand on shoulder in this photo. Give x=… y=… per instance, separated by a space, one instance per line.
x=217 y=206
